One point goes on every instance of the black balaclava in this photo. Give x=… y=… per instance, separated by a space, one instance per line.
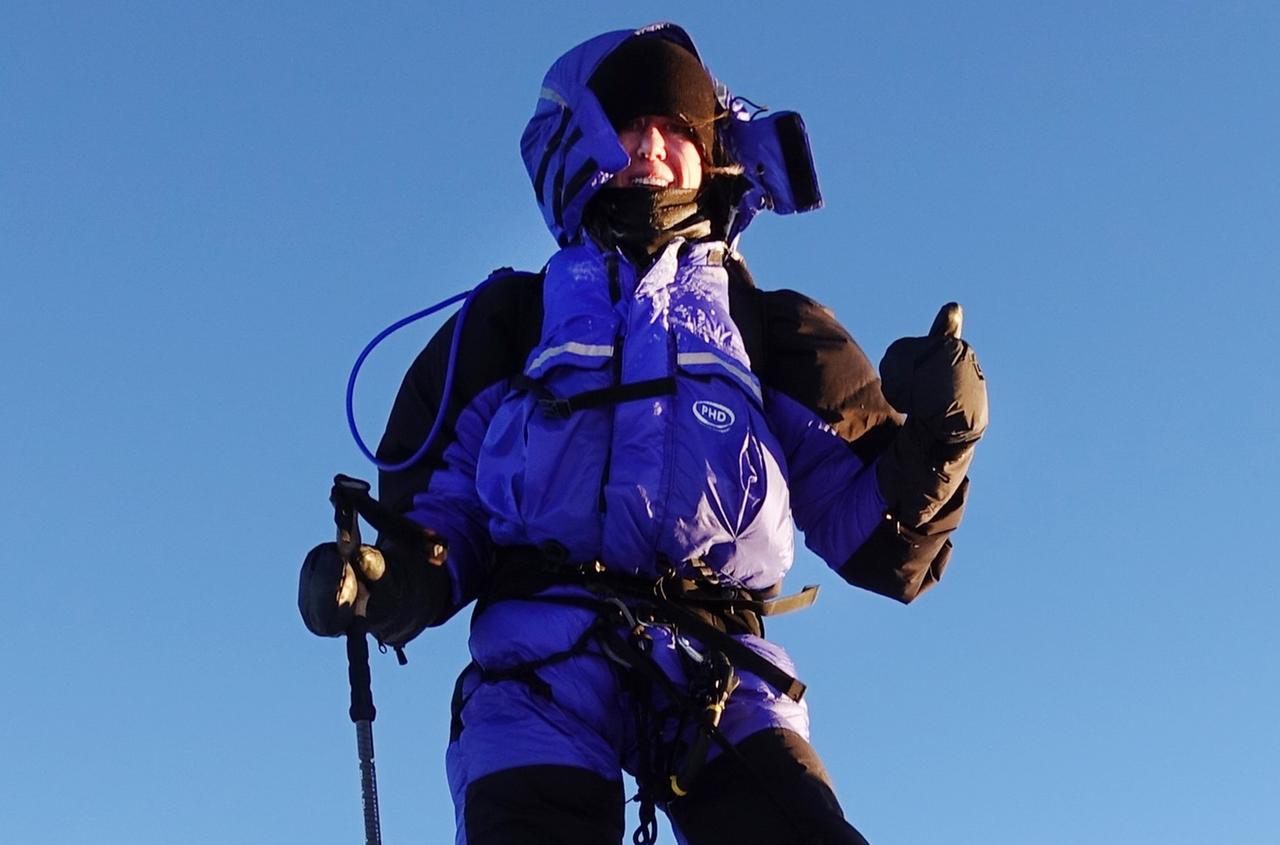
x=650 y=75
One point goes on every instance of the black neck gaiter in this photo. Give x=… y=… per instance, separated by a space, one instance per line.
x=641 y=221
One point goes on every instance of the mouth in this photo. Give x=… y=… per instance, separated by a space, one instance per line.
x=649 y=182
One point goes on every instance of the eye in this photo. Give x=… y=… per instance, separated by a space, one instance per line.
x=680 y=128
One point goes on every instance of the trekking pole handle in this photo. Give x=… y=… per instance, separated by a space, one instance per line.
x=362 y=709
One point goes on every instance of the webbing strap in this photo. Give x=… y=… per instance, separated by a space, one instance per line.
x=799 y=601
x=354 y=493
x=563 y=406
x=527 y=672
x=530 y=569
x=739 y=654
x=759 y=605
x=527 y=571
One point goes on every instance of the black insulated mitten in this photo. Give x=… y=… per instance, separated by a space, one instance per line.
x=918 y=475
x=413 y=595
x=936 y=381
x=407 y=591
x=325 y=611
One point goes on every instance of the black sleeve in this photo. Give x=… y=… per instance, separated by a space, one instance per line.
x=902 y=562
x=814 y=360
x=502 y=326
x=800 y=349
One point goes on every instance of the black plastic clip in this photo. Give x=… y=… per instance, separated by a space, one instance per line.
x=556 y=407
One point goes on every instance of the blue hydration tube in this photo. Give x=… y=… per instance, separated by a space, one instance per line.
x=387 y=466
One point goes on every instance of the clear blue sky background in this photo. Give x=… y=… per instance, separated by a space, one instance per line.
x=207 y=208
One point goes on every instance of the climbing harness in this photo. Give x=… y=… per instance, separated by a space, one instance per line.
x=628 y=609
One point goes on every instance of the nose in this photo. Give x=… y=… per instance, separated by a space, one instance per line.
x=651 y=145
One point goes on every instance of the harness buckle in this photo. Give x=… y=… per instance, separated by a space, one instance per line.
x=556 y=407
x=591 y=567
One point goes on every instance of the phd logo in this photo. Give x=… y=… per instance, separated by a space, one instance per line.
x=713 y=415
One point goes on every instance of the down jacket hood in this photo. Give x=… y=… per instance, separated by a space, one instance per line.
x=571 y=150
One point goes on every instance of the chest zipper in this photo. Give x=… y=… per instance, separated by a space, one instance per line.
x=615 y=294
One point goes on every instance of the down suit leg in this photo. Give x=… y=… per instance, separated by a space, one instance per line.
x=537 y=754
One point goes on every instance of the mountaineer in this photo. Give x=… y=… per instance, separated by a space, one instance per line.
x=626 y=441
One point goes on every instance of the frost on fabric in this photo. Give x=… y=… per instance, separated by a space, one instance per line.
x=584 y=273
x=705 y=325
x=691 y=296
x=655 y=287
x=701 y=308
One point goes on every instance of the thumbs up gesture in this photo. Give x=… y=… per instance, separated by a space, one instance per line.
x=936 y=380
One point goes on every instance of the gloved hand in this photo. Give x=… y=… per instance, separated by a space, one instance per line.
x=402 y=590
x=330 y=594
x=936 y=381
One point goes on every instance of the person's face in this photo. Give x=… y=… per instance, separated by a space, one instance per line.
x=663 y=154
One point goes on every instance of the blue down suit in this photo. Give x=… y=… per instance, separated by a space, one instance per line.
x=761 y=415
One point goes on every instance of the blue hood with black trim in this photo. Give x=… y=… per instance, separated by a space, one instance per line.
x=571 y=150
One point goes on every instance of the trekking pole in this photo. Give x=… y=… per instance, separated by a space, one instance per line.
x=362 y=714
x=362 y=711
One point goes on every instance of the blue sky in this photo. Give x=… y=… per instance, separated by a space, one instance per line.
x=207 y=209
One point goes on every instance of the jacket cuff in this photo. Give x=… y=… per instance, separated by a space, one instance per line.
x=902 y=562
